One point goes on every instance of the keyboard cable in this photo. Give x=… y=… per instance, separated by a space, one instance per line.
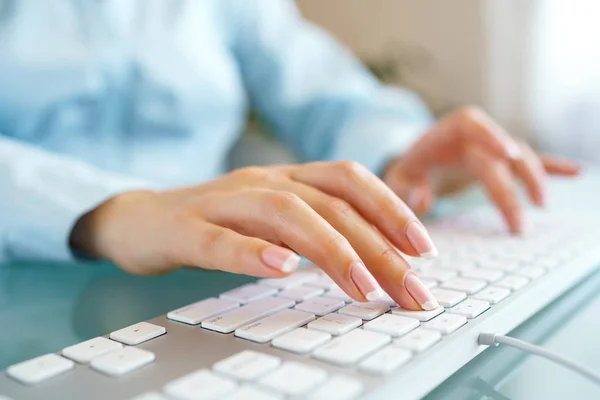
x=491 y=339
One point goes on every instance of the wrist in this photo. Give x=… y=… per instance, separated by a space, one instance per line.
x=91 y=235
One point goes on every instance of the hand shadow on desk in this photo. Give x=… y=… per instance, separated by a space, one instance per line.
x=111 y=302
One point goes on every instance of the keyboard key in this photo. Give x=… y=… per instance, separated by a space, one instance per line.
x=338 y=387
x=438 y=274
x=335 y=324
x=457 y=265
x=393 y=325
x=492 y=294
x=366 y=311
x=469 y=286
x=530 y=272
x=349 y=349
x=448 y=298
x=247 y=293
x=488 y=275
x=324 y=282
x=506 y=266
x=39 y=369
x=512 y=282
x=84 y=352
x=138 y=333
x=385 y=360
x=320 y=305
x=339 y=294
x=470 y=308
x=251 y=393
x=420 y=315
x=301 y=293
x=296 y=279
x=247 y=365
x=418 y=340
x=301 y=340
x=264 y=330
x=199 y=385
x=231 y=320
x=198 y=312
x=446 y=323
x=122 y=361
x=294 y=379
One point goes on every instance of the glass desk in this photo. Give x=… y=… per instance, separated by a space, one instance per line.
x=45 y=307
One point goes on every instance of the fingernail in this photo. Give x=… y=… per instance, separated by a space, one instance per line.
x=420 y=293
x=365 y=282
x=513 y=150
x=420 y=240
x=280 y=259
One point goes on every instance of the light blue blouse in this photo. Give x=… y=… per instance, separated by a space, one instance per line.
x=102 y=96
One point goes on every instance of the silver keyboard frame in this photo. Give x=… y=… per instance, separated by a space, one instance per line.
x=186 y=348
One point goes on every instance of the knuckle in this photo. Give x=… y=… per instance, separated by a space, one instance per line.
x=469 y=112
x=334 y=206
x=210 y=245
x=251 y=173
x=212 y=239
x=388 y=256
x=282 y=201
x=334 y=244
x=351 y=169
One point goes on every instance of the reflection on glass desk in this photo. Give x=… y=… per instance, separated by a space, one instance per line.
x=45 y=307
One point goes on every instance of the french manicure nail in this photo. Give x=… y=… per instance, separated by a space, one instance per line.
x=420 y=293
x=280 y=259
x=513 y=150
x=365 y=282
x=420 y=240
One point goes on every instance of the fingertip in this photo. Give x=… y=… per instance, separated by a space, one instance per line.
x=280 y=259
x=513 y=150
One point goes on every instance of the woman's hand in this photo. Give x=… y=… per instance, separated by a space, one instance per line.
x=471 y=141
x=338 y=215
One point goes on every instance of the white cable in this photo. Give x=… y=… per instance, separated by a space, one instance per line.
x=491 y=339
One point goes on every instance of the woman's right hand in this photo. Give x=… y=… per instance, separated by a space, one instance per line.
x=338 y=215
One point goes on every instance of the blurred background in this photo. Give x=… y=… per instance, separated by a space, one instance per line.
x=532 y=64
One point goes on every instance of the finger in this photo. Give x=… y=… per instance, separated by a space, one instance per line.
x=530 y=170
x=271 y=213
x=559 y=166
x=380 y=257
x=373 y=199
x=209 y=246
x=496 y=177
x=446 y=140
x=475 y=126
x=418 y=196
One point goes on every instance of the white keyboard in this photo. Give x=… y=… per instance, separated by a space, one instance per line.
x=303 y=337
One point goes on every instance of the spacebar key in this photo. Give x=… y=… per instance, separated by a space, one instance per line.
x=231 y=320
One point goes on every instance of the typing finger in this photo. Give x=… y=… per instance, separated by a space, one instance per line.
x=284 y=215
x=555 y=165
x=219 y=248
x=373 y=199
x=381 y=258
x=497 y=178
x=530 y=170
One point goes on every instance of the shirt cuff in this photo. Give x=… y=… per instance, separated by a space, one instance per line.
x=47 y=236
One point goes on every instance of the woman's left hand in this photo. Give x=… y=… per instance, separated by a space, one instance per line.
x=469 y=140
